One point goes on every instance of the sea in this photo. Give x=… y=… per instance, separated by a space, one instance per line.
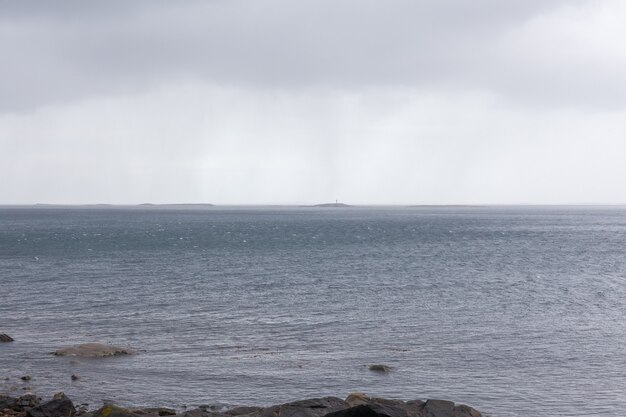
x=514 y=310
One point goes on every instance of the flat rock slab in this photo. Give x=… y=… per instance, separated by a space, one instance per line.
x=94 y=350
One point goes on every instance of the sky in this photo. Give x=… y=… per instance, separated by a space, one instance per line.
x=311 y=101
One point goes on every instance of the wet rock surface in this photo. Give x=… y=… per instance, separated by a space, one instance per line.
x=93 y=350
x=5 y=338
x=355 y=405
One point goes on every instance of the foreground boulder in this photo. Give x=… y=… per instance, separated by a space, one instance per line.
x=110 y=410
x=60 y=406
x=5 y=338
x=356 y=405
x=93 y=350
x=314 y=407
x=360 y=405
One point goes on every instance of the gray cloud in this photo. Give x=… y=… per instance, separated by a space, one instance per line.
x=69 y=50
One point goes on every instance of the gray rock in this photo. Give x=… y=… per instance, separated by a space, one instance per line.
x=60 y=406
x=93 y=350
x=438 y=408
x=5 y=338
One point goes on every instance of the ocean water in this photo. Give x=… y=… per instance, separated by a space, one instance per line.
x=517 y=311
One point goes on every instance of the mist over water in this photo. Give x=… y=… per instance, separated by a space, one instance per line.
x=517 y=311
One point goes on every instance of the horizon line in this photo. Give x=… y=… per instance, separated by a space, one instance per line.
x=319 y=205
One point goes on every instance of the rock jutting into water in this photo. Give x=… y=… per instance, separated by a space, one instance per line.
x=380 y=368
x=93 y=350
x=5 y=338
x=356 y=405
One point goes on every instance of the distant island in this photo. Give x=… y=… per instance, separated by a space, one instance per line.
x=335 y=204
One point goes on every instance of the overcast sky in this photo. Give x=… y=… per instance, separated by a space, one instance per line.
x=283 y=101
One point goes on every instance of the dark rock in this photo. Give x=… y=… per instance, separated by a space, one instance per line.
x=75 y=377
x=380 y=368
x=466 y=411
x=438 y=408
x=7 y=402
x=196 y=412
x=320 y=403
x=25 y=378
x=28 y=401
x=370 y=410
x=161 y=411
x=412 y=408
x=202 y=412
x=20 y=404
x=60 y=406
x=239 y=411
x=5 y=338
x=314 y=407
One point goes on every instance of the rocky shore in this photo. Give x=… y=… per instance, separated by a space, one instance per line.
x=356 y=405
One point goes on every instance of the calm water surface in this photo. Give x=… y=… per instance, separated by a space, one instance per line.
x=518 y=311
